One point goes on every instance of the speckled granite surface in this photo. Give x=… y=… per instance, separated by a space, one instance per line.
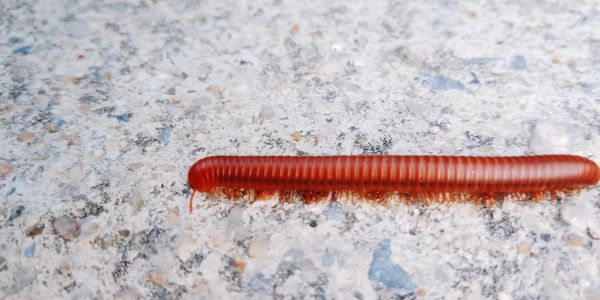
x=105 y=104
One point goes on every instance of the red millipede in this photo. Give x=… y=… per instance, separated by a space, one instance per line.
x=377 y=177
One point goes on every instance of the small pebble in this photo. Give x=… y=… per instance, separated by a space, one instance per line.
x=524 y=249
x=238 y=264
x=136 y=200
x=335 y=212
x=421 y=293
x=266 y=113
x=75 y=172
x=127 y=294
x=185 y=247
x=576 y=240
x=35 y=230
x=124 y=232
x=303 y=70
x=330 y=257
x=329 y=69
x=439 y=82
x=134 y=166
x=124 y=118
x=22 y=50
x=25 y=136
x=106 y=243
x=258 y=247
x=29 y=251
x=296 y=136
x=52 y=128
x=5 y=170
x=216 y=91
x=64 y=267
x=74 y=79
x=16 y=212
x=547 y=268
x=217 y=239
x=594 y=233
x=158 y=279
x=67 y=228
x=593 y=295
x=545 y=237
x=164 y=136
x=236 y=216
x=295 y=29
x=555 y=137
x=3 y=264
x=317 y=34
x=23 y=276
x=260 y=283
x=386 y=272
x=504 y=296
x=201 y=288
x=71 y=138
x=84 y=108
x=579 y=214
x=294 y=254
x=111 y=145
x=518 y=62
x=172 y=218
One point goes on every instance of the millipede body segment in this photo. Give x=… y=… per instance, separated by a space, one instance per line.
x=376 y=175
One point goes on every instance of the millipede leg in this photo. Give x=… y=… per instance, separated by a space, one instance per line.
x=192 y=200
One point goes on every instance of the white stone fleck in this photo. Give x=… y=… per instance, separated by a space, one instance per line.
x=548 y=137
x=185 y=246
x=504 y=296
x=259 y=247
x=67 y=227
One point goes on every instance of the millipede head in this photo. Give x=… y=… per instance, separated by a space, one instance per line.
x=196 y=177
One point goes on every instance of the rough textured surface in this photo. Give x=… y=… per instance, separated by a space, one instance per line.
x=105 y=104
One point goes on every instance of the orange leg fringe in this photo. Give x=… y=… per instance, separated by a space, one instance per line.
x=382 y=197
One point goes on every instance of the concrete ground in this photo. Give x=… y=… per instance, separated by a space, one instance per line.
x=105 y=104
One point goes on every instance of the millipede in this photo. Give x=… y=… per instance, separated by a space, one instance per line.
x=474 y=179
